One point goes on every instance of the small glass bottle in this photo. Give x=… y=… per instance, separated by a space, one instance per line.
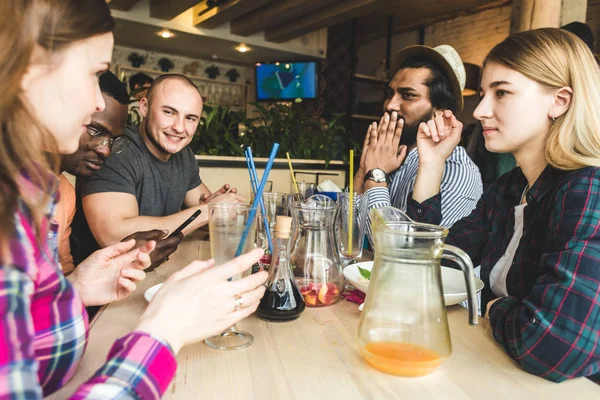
x=282 y=300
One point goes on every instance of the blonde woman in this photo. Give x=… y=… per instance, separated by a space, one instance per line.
x=536 y=230
x=51 y=56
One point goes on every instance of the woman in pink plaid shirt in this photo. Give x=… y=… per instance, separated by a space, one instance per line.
x=51 y=56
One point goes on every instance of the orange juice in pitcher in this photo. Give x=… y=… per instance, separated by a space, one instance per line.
x=403 y=328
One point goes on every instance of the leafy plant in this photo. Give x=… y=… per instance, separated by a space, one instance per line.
x=165 y=64
x=232 y=74
x=298 y=134
x=217 y=133
x=136 y=59
x=212 y=71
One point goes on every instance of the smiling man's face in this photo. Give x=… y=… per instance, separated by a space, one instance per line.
x=111 y=122
x=171 y=116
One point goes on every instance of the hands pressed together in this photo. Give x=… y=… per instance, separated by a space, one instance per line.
x=436 y=140
x=381 y=148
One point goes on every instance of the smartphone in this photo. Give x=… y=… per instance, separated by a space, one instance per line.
x=186 y=223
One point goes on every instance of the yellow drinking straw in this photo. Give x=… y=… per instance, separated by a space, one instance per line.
x=292 y=172
x=351 y=200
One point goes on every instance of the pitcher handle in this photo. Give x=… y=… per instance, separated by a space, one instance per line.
x=464 y=261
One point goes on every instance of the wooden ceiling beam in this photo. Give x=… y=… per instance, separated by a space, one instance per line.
x=407 y=27
x=210 y=18
x=275 y=13
x=415 y=19
x=121 y=5
x=334 y=14
x=168 y=10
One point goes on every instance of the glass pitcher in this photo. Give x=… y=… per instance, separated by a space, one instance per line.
x=314 y=253
x=403 y=328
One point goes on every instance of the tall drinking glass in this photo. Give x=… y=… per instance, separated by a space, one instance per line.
x=358 y=222
x=226 y=224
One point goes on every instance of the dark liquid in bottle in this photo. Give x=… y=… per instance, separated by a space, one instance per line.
x=285 y=303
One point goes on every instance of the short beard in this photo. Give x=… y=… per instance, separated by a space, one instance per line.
x=409 y=132
x=409 y=135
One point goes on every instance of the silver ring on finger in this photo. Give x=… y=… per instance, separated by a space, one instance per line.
x=239 y=302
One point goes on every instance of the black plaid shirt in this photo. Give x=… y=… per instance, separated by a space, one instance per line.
x=550 y=323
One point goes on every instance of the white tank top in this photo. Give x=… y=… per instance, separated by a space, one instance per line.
x=500 y=270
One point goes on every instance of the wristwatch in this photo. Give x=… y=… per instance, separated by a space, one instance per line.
x=377 y=175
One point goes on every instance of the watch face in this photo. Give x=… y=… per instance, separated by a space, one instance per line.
x=379 y=175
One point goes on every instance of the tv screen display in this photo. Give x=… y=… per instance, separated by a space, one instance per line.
x=286 y=80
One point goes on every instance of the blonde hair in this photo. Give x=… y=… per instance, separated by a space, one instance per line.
x=27 y=148
x=555 y=58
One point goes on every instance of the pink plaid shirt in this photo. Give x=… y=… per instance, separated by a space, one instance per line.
x=43 y=326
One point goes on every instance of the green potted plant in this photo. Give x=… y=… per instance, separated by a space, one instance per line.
x=217 y=133
x=212 y=71
x=232 y=74
x=136 y=59
x=165 y=64
x=302 y=135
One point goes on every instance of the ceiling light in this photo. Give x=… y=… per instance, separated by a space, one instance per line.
x=242 y=48
x=166 y=34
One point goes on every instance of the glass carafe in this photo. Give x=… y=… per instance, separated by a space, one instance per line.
x=403 y=328
x=314 y=253
x=282 y=300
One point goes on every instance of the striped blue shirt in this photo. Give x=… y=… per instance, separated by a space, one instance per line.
x=461 y=187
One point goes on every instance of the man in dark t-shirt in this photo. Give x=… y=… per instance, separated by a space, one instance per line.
x=154 y=183
x=104 y=137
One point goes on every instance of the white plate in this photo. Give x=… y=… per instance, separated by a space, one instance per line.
x=149 y=294
x=453 y=282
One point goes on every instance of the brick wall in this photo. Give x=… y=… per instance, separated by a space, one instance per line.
x=473 y=36
x=593 y=20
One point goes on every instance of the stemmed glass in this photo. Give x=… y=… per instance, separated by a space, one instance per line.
x=358 y=221
x=226 y=223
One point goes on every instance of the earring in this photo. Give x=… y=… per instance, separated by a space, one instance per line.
x=553 y=118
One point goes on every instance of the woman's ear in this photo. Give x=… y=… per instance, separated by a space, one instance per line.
x=562 y=101
x=38 y=66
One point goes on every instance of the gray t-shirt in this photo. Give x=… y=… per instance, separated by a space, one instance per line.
x=159 y=187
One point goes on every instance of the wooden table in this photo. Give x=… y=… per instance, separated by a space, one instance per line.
x=315 y=357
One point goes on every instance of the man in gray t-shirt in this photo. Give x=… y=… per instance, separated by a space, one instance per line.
x=155 y=183
x=159 y=187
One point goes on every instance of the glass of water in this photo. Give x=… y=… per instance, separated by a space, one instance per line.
x=350 y=231
x=226 y=224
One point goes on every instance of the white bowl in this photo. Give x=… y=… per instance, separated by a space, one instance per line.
x=149 y=294
x=453 y=282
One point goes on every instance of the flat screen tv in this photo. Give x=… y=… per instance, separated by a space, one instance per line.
x=279 y=81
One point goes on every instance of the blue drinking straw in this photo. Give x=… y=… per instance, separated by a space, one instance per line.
x=257 y=198
x=253 y=179
x=252 y=176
